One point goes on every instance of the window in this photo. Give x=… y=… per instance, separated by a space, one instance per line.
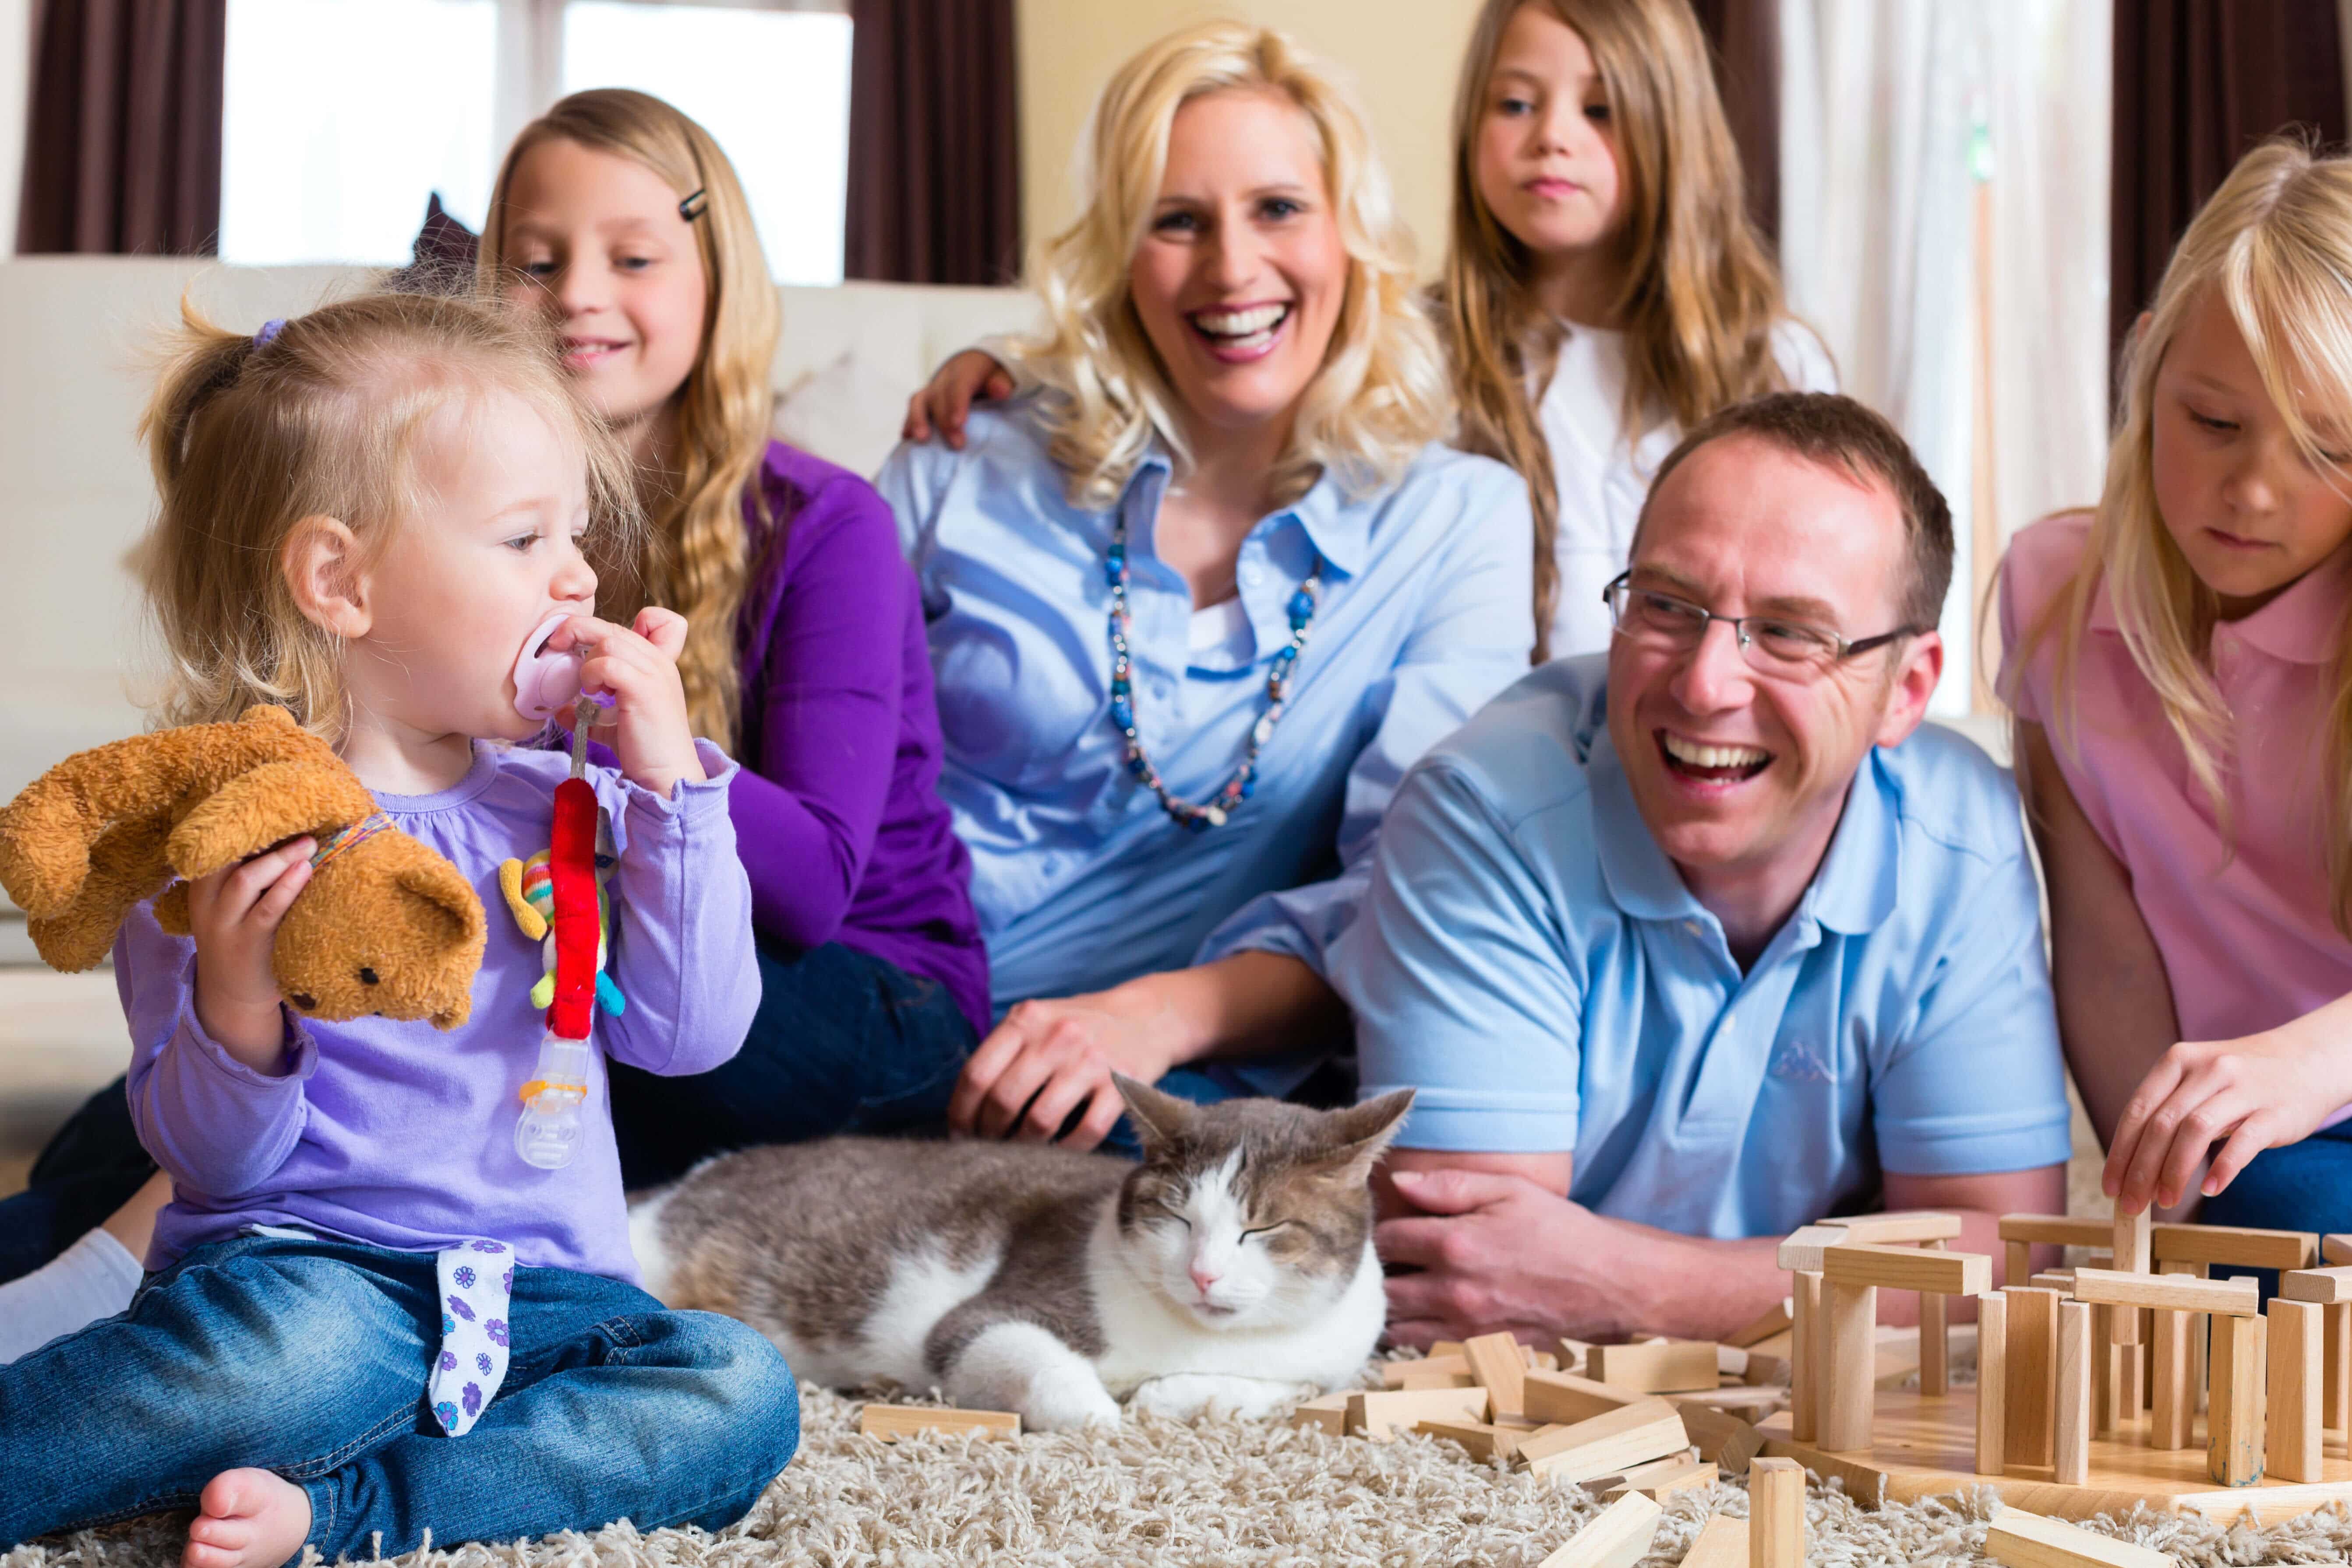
x=322 y=164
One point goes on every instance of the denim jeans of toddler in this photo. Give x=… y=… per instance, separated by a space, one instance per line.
x=309 y=1358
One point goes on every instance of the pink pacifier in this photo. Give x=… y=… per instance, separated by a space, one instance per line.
x=545 y=681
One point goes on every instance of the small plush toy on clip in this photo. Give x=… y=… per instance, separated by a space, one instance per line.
x=559 y=895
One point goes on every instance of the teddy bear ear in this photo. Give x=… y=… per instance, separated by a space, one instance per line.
x=435 y=881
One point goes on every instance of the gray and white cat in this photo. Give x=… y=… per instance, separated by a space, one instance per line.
x=1231 y=1272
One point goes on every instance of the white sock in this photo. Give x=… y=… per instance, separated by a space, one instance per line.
x=93 y=1278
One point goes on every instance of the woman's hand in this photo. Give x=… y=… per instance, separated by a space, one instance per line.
x=2248 y=1095
x=1050 y=1057
x=637 y=667
x=968 y=377
x=234 y=914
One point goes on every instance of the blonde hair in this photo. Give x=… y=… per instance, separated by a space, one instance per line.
x=1379 y=397
x=698 y=548
x=1700 y=296
x=2275 y=244
x=246 y=439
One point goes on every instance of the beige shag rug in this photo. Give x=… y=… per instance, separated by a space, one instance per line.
x=1219 y=1494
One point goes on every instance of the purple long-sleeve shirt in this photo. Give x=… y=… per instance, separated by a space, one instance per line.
x=401 y=1135
x=837 y=810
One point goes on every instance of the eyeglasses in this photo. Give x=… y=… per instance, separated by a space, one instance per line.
x=1772 y=645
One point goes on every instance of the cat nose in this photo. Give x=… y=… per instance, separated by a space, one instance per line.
x=1202 y=1279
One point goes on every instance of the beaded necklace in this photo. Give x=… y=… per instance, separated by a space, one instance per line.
x=1244 y=782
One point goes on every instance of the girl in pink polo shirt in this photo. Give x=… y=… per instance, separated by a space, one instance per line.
x=2180 y=668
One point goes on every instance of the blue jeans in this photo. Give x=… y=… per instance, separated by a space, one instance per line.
x=842 y=1042
x=2299 y=1186
x=307 y=1358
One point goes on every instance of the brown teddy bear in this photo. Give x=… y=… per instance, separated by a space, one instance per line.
x=386 y=926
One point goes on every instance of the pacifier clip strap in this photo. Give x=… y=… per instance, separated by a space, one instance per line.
x=571 y=866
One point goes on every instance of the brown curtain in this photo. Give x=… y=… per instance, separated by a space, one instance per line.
x=2197 y=82
x=1746 y=35
x=124 y=151
x=934 y=144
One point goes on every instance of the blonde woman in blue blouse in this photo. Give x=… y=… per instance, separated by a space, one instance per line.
x=1201 y=592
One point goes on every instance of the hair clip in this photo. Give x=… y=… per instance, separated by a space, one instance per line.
x=270 y=330
x=693 y=206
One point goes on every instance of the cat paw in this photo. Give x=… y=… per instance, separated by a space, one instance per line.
x=1068 y=1399
x=1188 y=1396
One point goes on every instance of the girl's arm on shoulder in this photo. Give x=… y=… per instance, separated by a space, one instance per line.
x=806 y=808
x=2115 y=1001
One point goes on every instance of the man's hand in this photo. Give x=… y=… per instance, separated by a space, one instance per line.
x=1048 y=1059
x=1498 y=1253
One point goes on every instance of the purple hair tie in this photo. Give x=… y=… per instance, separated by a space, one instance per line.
x=270 y=330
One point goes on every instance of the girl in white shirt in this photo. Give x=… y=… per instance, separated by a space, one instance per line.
x=1604 y=288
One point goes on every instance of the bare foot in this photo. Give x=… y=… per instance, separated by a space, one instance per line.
x=250 y=1518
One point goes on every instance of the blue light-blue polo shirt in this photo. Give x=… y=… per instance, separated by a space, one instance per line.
x=1529 y=960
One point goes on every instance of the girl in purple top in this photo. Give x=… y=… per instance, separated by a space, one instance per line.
x=368 y=1312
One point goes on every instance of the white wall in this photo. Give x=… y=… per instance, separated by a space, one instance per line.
x=16 y=107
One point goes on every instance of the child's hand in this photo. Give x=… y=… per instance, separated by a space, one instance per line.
x=235 y=913
x=638 y=668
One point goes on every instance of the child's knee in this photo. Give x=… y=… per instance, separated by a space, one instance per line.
x=752 y=1397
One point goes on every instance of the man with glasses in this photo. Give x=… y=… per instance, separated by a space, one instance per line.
x=1689 y=943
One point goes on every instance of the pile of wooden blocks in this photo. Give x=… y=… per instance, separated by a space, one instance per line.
x=2070 y=1354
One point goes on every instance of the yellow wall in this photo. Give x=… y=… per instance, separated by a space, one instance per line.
x=1402 y=54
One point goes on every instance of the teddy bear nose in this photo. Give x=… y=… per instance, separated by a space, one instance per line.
x=367 y=976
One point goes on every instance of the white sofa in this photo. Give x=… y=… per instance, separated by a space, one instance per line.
x=77 y=337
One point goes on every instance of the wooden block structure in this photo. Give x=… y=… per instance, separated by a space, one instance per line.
x=1930 y=1229
x=1852 y=1275
x=2023 y=1540
x=1620 y=1538
x=1723 y=1543
x=892 y=1422
x=2330 y=1289
x=1776 y=1514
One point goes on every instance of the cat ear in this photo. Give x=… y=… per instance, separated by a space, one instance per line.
x=1160 y=1119
x=1359 y=1133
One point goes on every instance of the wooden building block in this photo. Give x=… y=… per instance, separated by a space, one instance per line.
x=2294 y=1360
x=892 y=1422
x=1721 y=1543
x=2020 y=1267
x=1850 y=1357
x=2335 y=1248
x=1540 y=1360
x=1806 y=1377
x=1935 y=1334
x=1776 y=1514
x=1722 y=1438
x=2024 y=1540
x=1908 y=1268
x=2032 y=1376
x=2227 y=1298
x=1802 y=1252
x=2234 y=1408
x=2059 y=1280
x=1992 y=1383
x=1496 y=1367
x=2328 y=1286
x=2173 y=1407
x=1765 y=1327
x=2335 y=1399
x=1563 y=1397
x=1900 y=1225
x=1482 y=1440
x=2230 y=1245
x=1667 y=1367
x=1328 y=1414
x=2134 y=1234
x=2057 y=1230
x=1606 y=1445
x=2107 y=1357
x=1620 y=1538
x=1395 y=1372
x=1756 y=1402
x=1662 y=1478
x=1378 y=1415
x=1574 y=1354
x=1446 y=1347
x=1434 y=1380
x=2071 y=1431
